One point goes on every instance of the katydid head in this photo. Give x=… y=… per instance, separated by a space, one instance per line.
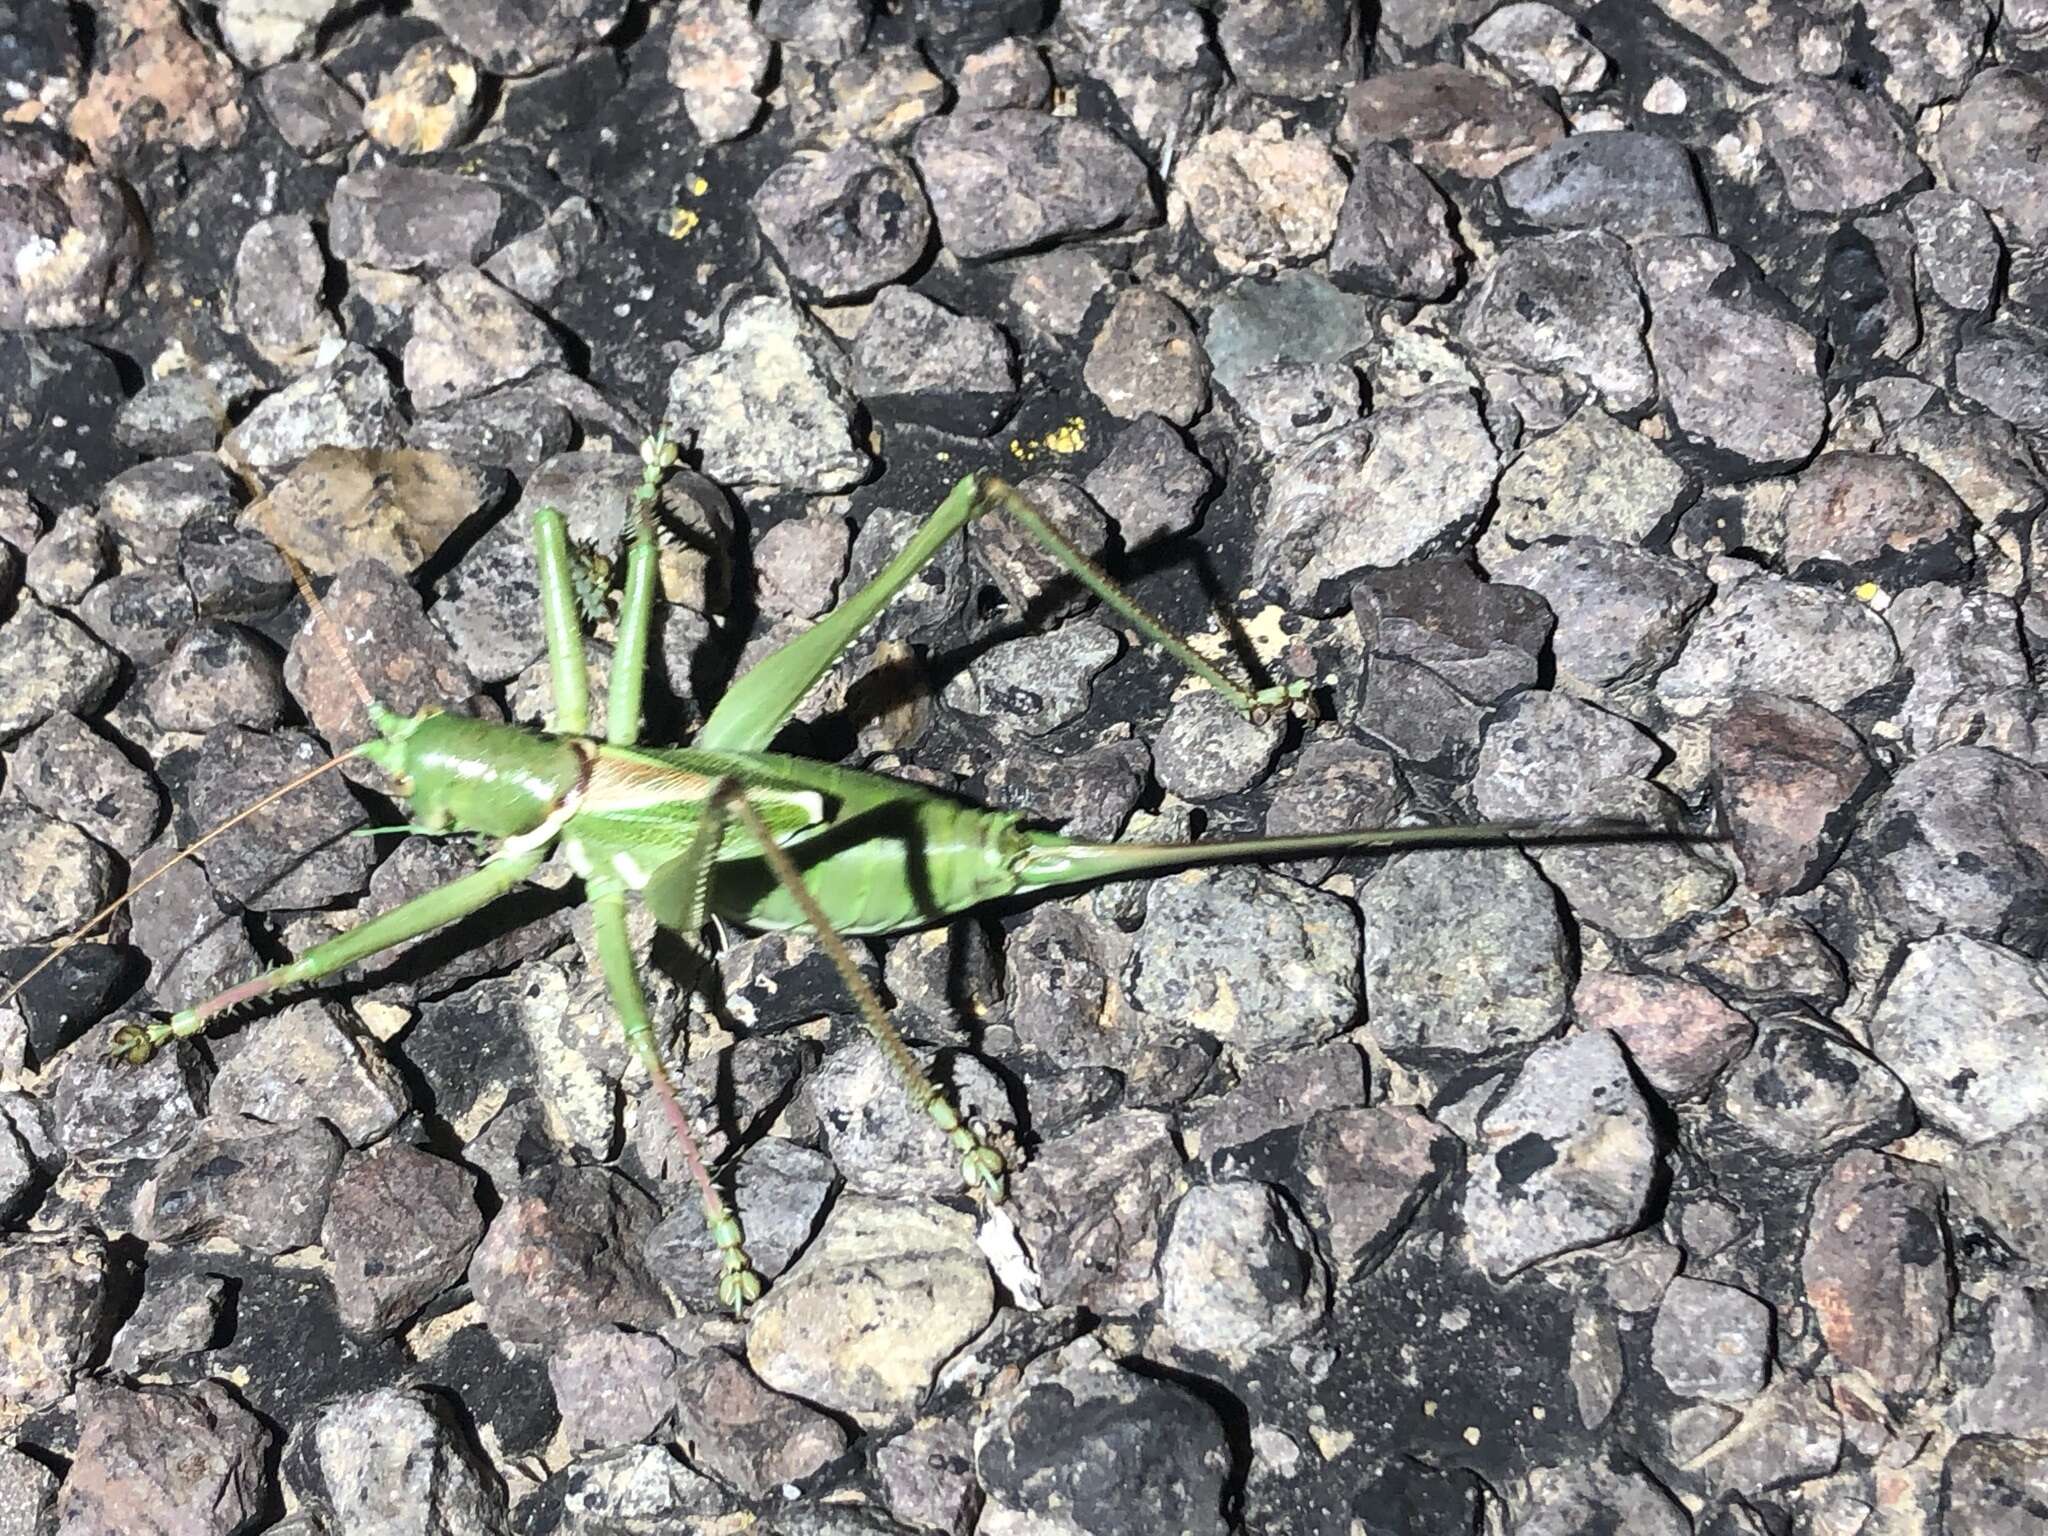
x=459 y=774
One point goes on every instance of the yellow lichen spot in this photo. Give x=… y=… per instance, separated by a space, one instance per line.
x=682 y=222
x=699 y=186
x=1867 y=592
x=1070 y=438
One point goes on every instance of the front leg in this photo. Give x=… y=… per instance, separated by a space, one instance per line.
x=408 y=920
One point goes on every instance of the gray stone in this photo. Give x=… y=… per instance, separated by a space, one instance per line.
x=2002 y=374
x=1566 y=1158
x=1567 y=304
x=1932 y=48
x=1305 y=52
x=64 y=562
x=2004 y=1181
x=1293 y=404
x=887 y=1293
x=1163 y=1467
x=1208 y=749
x=1593 y=477
x=1091 y=1211
x=1538 y=45
x=399 y=219
x=1736 y=376
x=1366 y=1174
x=1007 y=73
x=919 y=361
x=313 y=112
x=59 y=1279
x=67 y=770
x=293 y=854
x=48 y=666
x=1622 y=612
x=1258 y=961
x=845 y=221
x=279 y=272
x=1627 y=183
x=1711 y=1341
x=1957 y=248
x=1412 y=481
x=1449 y=119
x=1764 y=634
x=1032 y=580
x=1036 y=684
x=1147 y=360
x=798 y=565
x=750 y=1438
x=217 y=674
x=129 y=1435
x=773 y=406
x=469 y=336
x=1084 y=181
x=71 y=238
x=1959 y=1021
x=1465 y=954
x=516 y=37
x=1150 y=483
x=1392 y=237
x=1482 y=638
x=1261 y=199
x=2010 y=1400
x=719 y=60
x=1768 y=47
x=391 y=1461
x=564 y=1250
x=347 y=403
x=1573 y=1497
x=1958 y=844
x=1994 y=148
x=1837 y=148
x=1239 y=1272
x=263 y=1188
x=400 y=1227
x=176 y=1319
x=1992 y=1487
x=1971 y=681
x=57 y=876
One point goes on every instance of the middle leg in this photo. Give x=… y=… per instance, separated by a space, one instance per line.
x=981 y=1164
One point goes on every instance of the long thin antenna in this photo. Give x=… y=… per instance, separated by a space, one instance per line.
x=323 y=621
x=78 y=934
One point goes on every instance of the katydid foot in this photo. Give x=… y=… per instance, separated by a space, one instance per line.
x=738 y=1285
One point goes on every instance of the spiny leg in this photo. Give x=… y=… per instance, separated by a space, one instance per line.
x=561 y=621
x=408 y=920
x=1248 y=702
x=737 y=1282
x=636 y=605
x=758 y=704
x=982 y=1165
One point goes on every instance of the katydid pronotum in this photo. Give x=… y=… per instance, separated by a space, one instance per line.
x=727 y=829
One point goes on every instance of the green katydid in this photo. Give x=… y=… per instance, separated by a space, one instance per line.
x=727 y=829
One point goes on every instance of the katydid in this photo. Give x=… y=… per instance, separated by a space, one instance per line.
x=727 y=829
